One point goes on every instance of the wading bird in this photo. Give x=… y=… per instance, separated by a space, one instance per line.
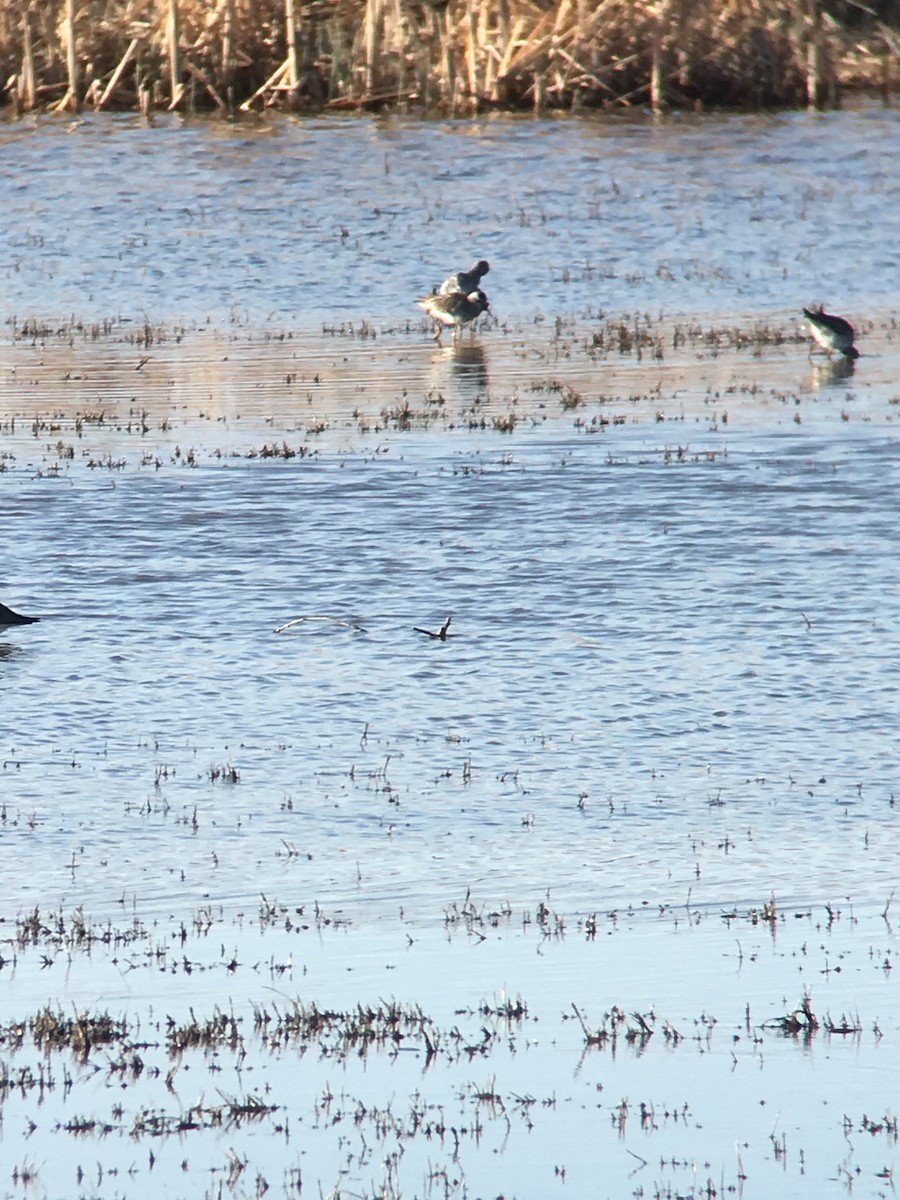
x=456 y=309
x=465 y=281
x=832 y=333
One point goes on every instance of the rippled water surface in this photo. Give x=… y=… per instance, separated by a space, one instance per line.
x=639 y=806
x=301 y=223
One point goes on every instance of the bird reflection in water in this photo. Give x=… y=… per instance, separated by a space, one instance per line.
x=467 y=364
x=828 y=372
x=458 y=374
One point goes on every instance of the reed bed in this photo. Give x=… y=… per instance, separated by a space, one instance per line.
x=445 y=56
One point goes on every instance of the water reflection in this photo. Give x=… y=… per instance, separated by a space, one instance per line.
x=830 y=372
x=459 y=370
x=468 y=364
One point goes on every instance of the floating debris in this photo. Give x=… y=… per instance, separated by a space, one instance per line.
x=440 y=634
x=339 y=621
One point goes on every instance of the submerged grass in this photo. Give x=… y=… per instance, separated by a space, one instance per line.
x=604 y=376
x=448 y=1082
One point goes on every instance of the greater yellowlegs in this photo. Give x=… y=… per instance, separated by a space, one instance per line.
x=832 y=333
x=465 y=281
x=454 y=309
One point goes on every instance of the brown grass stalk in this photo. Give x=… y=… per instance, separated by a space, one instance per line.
x=448 y=55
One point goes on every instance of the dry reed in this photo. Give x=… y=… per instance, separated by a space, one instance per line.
x=447 y=56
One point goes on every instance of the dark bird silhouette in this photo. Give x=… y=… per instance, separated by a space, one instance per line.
x=8 y=617
x=832 y=333
x=465 y=281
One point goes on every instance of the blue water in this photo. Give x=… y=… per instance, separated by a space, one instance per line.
x=668 y=699
x=296 y=223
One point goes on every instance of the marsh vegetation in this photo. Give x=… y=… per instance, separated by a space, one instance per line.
x=451 y=56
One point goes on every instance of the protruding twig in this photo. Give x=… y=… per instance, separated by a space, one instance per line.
x=332 y=620
x=588 y=1034
x=592 y=1037
x=441 y=634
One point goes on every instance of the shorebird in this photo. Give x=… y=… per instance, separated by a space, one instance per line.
x=455 y=309
x=465 y=281
x=832 y=333
x=8 y=617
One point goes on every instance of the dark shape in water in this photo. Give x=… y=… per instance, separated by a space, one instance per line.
x=832 y=333
x=440 y=634
x=8 y=617
x=468 y=363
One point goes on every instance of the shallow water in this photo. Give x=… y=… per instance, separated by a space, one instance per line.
x=296 y=223
x=654 y=765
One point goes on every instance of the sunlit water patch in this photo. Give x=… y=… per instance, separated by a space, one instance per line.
x=302 y=222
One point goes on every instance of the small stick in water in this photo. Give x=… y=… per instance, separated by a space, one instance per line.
x=441 y=634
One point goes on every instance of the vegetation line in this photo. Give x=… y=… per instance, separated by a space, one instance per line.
x=442 y=56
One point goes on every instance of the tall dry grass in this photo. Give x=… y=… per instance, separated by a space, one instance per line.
x=441 y=55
